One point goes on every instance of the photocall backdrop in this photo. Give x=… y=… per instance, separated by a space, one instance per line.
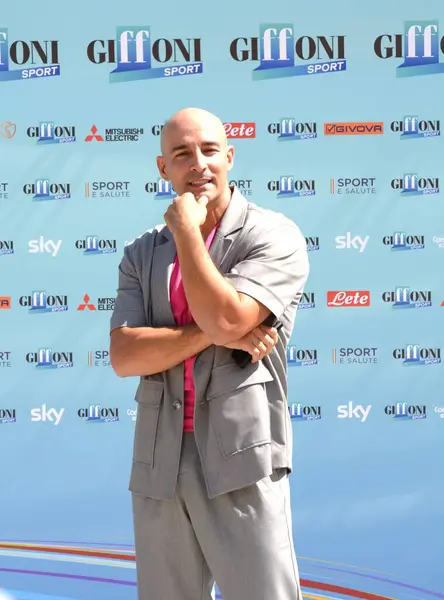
x=335 y=113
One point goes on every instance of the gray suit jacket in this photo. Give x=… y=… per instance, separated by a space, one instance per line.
x=241 y=422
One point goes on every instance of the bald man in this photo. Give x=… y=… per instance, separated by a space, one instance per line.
x=213 y=439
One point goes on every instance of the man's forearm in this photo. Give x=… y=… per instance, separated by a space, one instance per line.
x=213 y=302
x=142 y=351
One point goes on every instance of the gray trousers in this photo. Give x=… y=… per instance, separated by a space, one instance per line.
x=242 y=540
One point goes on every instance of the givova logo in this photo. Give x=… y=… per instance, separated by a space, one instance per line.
x=414 y=185
x=92 y=244
x=48 y=133
x=290 y=129
x=420 y=46
x=406 y=412
x=277 y=49
x=41 y=302
x=45 y=359
x=96 y=414
x=41 y=56
x=413 y=354
x=298 y=357
x=161 y=189
x=134 y=50
x=301 y=412
x=413 y=128
x=401 y=240
x=404 y=297
x=42 y=189
x=288 y=186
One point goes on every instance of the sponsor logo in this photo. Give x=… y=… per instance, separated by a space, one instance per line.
x=439 y=241
x=353 y=185
x=107 y=189
x=240 y=130
x=40 y=302
x=312 y=244
x=420 y=46
x=406 y=412
x=281 y=54
x=413 y=128
x=245 y=186
x=115 y=135
x=413 y=354
x=292 y=130
x=349 y=411
x=46 y=359
x=161 y=189
x=40 y=246
x=5 y=359
x=93 y=245
x=101 y=304
x=413 y=185
x=348 y=241
x=301 y=412
x=298 y=357
x=288 y=186
x=42 y=189
x=134 y=50
x=355 y=356
x=98 y=358
x=47 y=133
x=4 y=191
x=97 y=414
x=358 y=128
x=439 y=411
x=404 y=297
x=401 y=240
x=6 y=247
x=307 y=300
x=21 y=52
x=7 y=129
x=7 y=415
x=348 y=299
x=5 y=302
x=44 y=414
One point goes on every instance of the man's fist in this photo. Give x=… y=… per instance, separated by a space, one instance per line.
x=186 y=213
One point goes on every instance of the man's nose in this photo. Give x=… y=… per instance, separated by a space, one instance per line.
x=198 y=161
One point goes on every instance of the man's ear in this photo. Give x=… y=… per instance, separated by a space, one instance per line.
x=161 y=167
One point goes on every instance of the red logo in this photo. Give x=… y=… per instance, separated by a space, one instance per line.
x=5 y=302
x=442 y=303
x=240 y=130
x=87 y=304
x=94 y=136
x=356 y=298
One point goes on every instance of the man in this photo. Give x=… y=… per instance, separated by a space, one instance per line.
x=213 y=444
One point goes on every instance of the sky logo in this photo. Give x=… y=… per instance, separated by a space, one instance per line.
x=134 y=50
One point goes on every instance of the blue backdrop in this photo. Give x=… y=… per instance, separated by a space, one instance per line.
x=335 y=115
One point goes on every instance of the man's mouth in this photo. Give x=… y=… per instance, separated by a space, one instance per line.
x=202 y=182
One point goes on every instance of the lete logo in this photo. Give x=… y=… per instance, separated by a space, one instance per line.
x=349 y=241
x=356 y=298
x=41 y=246
x=240 y=130
x=348 y=411
x=43 y=414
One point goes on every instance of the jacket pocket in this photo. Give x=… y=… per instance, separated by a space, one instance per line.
x=149 y=398
x=238 y=407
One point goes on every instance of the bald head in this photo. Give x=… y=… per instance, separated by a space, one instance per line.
x=189 y=119
x=195 y=155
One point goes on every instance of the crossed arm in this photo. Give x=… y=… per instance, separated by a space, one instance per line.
x=223 y=313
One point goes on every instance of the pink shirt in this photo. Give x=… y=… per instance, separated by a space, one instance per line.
x=182 y=315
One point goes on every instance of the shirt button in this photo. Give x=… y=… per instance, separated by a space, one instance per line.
x=177 y=404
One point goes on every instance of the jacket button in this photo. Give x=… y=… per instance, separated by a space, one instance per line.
x=177 y=404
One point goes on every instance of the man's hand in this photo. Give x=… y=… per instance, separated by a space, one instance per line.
x=186 y=213
x=259 y=342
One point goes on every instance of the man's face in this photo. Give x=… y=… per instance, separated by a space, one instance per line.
x=196 y=158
